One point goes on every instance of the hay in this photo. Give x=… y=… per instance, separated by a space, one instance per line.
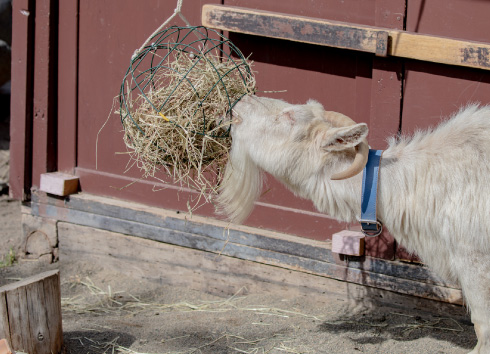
x=176 y=103
x=97 y=301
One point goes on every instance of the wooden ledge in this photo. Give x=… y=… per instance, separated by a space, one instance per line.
x=376 y=40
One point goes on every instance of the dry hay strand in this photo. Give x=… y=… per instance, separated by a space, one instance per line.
x=102 y=301
x=251 y=346
x=178 y=118
x=109 y=301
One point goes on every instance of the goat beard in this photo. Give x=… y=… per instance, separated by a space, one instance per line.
x=241 y=186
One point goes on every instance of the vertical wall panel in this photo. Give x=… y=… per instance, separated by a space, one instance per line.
x=434 y=91
x=23 y=12
x=44 y=100
x=385 y=105
x=67 y=84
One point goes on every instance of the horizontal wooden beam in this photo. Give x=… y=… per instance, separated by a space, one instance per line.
x=376 y=40
x=213 y=236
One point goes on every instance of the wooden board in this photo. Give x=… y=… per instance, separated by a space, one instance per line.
x=216 y=274
x=375 y=40
x=21 y=106
x=43 y=101
x=30 y=314
x=288 y=252
x=295 y=28
x=67 y=103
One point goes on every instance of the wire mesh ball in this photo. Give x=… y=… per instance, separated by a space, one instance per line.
x=176 y=101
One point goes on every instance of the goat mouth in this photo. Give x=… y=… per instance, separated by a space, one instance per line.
x=235 y=118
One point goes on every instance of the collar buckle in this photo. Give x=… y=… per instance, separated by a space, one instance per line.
x=370 y=224
x=371 y=228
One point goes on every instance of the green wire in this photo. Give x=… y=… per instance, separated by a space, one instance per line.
x=171 y=40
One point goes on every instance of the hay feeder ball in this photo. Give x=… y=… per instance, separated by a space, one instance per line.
x=176 y=100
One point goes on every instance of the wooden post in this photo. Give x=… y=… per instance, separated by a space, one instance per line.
x=30 y=314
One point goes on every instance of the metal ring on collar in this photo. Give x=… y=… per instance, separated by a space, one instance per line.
x=372 y=233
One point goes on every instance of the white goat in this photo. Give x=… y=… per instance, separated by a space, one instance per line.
x=434 y=188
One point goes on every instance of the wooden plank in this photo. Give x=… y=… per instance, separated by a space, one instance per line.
x=38 y=320
x=440 y=50
x=51 y=287
x=226 y=247
x=67 y=84
x=295 y=28
x=34 y=313
x=348 y=36
x=43 y=120
x=18 y=320
x=26 y=281
x=4 y=322
x=114 y=215
x=385 y=106
x=21 y=106
x=287 y=219
x=206 y=271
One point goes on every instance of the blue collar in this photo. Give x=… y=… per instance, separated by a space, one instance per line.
x=370 y=225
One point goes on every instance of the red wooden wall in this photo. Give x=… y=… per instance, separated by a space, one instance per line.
x=63 y=114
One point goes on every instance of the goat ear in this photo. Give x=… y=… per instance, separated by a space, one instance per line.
x=302 y=112
x=338 y=139
x=316 y=108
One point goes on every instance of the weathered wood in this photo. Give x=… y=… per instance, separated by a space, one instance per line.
x=4 y=323
x=270 y=248
x=20 y=335
x=67 y=84
x=44 y=107
x=348 y=36
x=250 y=253
x=53 y=313
x=33 y=313
x=21 y=106
x=440 y=50
x=143 y=221
x=38 y=321
x=295 y=28
x=218 y=274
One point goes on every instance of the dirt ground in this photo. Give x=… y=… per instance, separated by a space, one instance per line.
x=107 y=312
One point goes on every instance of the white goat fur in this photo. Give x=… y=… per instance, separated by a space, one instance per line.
x=434 y=187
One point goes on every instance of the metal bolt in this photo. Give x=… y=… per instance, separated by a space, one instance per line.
x=40 y=337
